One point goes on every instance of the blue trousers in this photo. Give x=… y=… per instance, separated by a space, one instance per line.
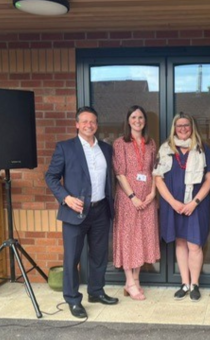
x=96 y=227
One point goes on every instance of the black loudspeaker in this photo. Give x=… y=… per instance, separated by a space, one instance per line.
x=17 y=130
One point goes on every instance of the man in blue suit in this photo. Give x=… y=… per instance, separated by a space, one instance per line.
x=81 y=167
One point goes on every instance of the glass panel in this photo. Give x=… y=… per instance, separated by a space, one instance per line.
x=113 y=90
x=192 y=95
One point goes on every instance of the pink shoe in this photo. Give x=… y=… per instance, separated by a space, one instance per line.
x=138 y=286
x=128 y=292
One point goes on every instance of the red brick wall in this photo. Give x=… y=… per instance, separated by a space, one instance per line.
x=55 y=96
x=45 y=248
x=104 y=39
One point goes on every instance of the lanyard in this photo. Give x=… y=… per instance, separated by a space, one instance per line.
x=182 y=166
x=139 y=155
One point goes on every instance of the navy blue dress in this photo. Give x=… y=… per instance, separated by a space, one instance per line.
x=193 y=228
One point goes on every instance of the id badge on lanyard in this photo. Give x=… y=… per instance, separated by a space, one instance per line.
x=141 y=177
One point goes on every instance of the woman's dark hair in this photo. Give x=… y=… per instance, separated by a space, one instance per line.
x=86 y=109
x=127 y=135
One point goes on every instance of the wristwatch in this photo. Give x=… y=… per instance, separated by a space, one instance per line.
x=197 y=201
x=131 y=195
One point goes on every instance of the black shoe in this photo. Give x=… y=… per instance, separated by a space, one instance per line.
x=78 y=311
x=195 y=294
x=103 y=298
x=182 y=292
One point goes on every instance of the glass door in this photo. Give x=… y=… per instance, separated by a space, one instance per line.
x=114 y=79
x=111 y=89
x=114 y=89
x=189 y=91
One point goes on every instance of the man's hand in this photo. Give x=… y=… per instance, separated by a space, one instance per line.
x=74 y=203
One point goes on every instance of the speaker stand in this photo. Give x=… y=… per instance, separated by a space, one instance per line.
x=15 y=249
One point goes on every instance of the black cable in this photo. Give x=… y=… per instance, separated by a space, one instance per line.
x=59 y=327
x=58 y=309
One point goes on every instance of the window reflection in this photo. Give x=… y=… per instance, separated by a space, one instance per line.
x=115 y=88
x=192 y=94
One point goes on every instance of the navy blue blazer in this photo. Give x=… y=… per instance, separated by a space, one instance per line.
x=68 y=175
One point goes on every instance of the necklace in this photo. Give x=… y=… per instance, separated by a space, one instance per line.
x=182 y=166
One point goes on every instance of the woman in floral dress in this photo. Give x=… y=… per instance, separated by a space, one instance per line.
x=135 y=229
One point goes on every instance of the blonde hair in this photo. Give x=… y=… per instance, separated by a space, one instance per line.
x=195 y=135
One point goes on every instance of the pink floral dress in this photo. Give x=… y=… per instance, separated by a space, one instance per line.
x=135 y=232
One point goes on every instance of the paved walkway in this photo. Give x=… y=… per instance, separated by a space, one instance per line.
x=158 y=308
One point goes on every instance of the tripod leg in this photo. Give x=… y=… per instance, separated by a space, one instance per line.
x=2 y=246
x=10 y=221
x=12 y=260
x=31 y=261
x=28 y=285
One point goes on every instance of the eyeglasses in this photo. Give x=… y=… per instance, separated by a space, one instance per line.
x=182 y=126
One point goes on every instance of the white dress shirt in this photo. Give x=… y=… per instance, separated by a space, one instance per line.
x=97 y=167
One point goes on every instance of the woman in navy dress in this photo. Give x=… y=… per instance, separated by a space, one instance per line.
x=183 y=180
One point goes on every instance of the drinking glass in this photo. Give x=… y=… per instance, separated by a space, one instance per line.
x=81 y=214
